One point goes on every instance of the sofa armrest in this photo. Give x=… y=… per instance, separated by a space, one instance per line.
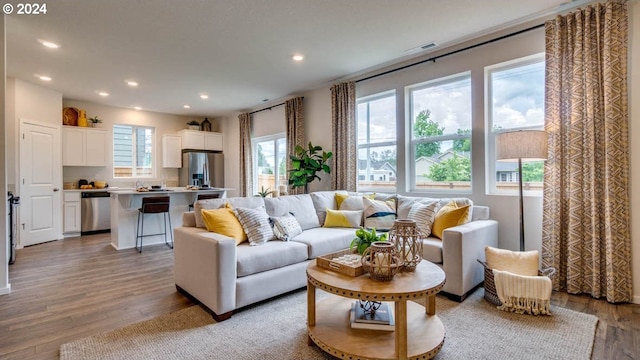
x=189 y=219
x=205 y=267
x=461 y=246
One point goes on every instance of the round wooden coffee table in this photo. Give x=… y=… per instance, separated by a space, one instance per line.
x=419 y=333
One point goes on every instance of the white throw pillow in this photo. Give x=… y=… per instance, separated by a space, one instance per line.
x=285 y=227
x=424 y=214
x=255 y=223
x=379 y=214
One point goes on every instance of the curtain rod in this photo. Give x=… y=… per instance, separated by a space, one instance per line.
x=433 y=59
x=269 y=108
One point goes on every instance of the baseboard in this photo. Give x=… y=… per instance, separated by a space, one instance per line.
x=5 y=290
x=636 y=299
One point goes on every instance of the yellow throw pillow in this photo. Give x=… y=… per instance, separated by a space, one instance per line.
x=224 y=221
x=517 y=262
x=448 y=216
x=342 y=197
x=343 y=218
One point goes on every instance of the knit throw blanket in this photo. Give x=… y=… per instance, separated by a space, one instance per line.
x=523 y=294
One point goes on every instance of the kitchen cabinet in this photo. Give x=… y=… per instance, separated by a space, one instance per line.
x=84 y=146
x=71 y=213
x=171 y=151
x=201 y=140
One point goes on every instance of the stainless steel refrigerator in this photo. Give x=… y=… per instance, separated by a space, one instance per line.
x=202 y=168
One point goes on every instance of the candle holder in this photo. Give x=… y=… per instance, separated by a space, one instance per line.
x=407 y=238
x=381 y=261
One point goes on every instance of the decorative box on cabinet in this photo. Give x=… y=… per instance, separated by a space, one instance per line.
x=71 y=213
x=201 y=140
x=84 y=146
x=171 y=151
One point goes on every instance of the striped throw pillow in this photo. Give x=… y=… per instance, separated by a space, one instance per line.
x=255 y=223
x=424 y=214
x=285 y=227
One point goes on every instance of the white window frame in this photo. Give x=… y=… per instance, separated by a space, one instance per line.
x=411 y=168
x=368 y=145
x=133 y=154
x=254 y=152
x=490 y=137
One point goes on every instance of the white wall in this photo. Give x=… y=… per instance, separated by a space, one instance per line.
x=504 y=208
x=163 y=124
x=5 y=287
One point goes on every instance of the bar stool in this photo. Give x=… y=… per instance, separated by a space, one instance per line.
x=154 y=205
x=205 y=197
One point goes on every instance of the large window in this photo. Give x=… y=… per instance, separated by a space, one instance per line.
x=270 y=162
x=516 y=93
x=440 y=122
x=377 y=160
x=132 y=151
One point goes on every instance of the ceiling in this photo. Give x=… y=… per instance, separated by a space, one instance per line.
x=237 y=52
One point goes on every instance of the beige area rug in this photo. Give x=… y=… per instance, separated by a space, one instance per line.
x=276 y=330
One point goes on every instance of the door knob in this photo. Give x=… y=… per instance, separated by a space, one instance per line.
x=56 y=189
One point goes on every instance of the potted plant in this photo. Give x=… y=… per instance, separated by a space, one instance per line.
x=193 y=125
x=94 y=121
x=364 y=238
x=264 y=193
x=305 y=164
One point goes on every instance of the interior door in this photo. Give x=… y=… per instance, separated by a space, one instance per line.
x=40 y=183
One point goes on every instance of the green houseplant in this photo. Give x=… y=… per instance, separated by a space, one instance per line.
x=94 y=121
x=364 y=238
x=305 y=164
x=264 y=192
x=194 y=125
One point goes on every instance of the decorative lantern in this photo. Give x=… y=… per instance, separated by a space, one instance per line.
x=407 y=238
x=381 y=261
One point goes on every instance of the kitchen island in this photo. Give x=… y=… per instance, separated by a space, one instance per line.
x=124 y=213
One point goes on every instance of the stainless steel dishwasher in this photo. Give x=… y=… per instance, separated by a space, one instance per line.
x=95 y=212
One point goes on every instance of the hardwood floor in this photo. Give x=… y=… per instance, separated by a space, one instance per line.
x=69 y=289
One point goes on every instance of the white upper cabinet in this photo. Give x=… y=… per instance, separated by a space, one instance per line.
x=201 y=140
x=171 y=151
x=84 y=146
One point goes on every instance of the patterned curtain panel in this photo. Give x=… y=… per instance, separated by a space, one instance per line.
x=294 y=113
x=246 y=159
x=345 y=151
x=586 y=230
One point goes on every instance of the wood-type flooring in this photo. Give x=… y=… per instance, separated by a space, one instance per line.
x=68 y=289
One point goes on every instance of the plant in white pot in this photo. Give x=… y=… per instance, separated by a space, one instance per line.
x=193 y=125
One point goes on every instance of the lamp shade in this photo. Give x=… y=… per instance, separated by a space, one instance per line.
x=522 y=144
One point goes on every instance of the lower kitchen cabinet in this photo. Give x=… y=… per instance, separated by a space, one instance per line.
x=71 y=213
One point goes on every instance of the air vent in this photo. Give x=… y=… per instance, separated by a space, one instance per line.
x=426 y=46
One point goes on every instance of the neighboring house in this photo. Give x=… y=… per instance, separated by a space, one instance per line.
x=506 y=172
x=423 y=164
x=377 y=171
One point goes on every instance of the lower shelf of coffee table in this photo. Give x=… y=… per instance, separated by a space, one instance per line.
x=333 y=333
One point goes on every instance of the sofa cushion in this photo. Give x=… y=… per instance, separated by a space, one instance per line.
x=379 y=214
x=343 y=218
x=245 y=202
x=285 y=227
x=255 y=223
x=223 y=221
x=300 y=206
x=351 y=202
x=460 y=202
x=424 y=214
x=323 y=241
x=449 y=216
x=405 y=203
x=432 y=250
x=272 y=255
x=323 y=200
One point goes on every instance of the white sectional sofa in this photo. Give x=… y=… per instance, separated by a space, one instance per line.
x=212 y=269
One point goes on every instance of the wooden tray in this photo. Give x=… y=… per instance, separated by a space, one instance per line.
x=327 y=262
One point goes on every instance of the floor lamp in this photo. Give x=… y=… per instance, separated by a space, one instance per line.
x=521 y=145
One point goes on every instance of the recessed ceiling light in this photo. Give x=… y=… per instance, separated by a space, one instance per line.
x=45 y=78
x=137 y=107
x=298 y=57
x=132 y=83
x=204 y=96
x=187 y=107
x=49 y=44
x=103 y=93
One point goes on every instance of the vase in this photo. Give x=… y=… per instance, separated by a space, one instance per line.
x=407 y=239
x=194 y=127
x=381 y=261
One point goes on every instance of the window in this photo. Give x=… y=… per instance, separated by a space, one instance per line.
x=440 y=123
x=132 y=151
x=516 y=91
x=270 y=162
x=377 y=159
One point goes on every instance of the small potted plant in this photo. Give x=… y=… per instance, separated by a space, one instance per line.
x=264 y=193
x=193 y=125
x=94 y=121
x=364 y=238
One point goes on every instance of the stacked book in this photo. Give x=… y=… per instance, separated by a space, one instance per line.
x=381 y=319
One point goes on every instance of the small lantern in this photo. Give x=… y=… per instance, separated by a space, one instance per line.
x=381 y=261
x=407 y=238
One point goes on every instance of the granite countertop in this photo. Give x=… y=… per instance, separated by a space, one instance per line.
x=109 y=189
